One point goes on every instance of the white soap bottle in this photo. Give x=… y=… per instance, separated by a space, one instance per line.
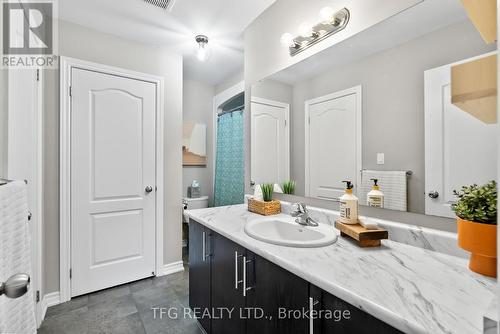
x=348 y=206
x=375 y=197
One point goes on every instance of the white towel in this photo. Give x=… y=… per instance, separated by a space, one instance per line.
x=392 y=183
x=16 y=315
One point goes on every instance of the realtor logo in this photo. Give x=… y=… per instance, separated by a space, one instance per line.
x=29 y=34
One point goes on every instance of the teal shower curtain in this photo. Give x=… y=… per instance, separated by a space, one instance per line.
x=229 y=165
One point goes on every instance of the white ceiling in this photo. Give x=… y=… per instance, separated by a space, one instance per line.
x=422 y=19
x=223 y=21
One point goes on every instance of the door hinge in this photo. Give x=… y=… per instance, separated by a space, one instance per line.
x=37 y=75
x=70 y=273
x=70 y=91
x=38 y=296
x=309 y=120
x=285 y=122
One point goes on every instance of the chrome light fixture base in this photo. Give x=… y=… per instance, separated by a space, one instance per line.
x=201 y=39
x=321 y=31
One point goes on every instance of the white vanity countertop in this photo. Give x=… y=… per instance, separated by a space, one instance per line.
x=412 y=289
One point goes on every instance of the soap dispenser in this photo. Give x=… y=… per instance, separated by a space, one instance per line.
x=348 y=206
x=375 y=197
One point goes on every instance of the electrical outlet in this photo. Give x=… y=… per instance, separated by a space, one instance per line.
x=380 y=158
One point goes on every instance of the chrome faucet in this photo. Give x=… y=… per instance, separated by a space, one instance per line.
x=300 y=211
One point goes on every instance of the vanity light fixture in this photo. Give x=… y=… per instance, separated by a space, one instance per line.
x=331 y=22
x=203 y=52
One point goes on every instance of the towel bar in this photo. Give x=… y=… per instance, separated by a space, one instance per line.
x=408 y=172
x=5 y=181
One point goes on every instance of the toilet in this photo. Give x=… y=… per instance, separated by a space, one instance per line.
x=191 y=204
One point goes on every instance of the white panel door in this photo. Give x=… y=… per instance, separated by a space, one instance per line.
x=24 y=160
x=270 y=141
x=112 y=163
x=459 y=149
x=333 y=143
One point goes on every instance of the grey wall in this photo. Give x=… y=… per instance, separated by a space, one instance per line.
x=230 y=81
x=198 y=101
x=275 y=91
x=3 y=112
x=3 y=121
x=79 y=42
x=393 y=102
x=264 y=55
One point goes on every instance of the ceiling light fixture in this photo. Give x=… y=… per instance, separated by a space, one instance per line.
x=203 y=52
x=163 y=4
x=331 y=23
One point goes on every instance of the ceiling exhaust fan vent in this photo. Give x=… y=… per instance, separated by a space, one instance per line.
x=163 y=4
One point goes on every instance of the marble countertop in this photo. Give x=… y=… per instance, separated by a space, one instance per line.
x=413 y=289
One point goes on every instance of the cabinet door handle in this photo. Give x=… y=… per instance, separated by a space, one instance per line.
x=204 y=241
x=204 y=251
x=236 y=281
x=245 y=288
x=312 y=303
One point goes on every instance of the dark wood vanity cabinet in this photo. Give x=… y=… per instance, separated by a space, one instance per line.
x=263 y=297
x=227 y=284
x=199 y=270
x=276 y=292
x=346 y=318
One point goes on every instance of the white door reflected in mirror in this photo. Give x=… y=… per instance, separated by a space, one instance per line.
x=270 y=143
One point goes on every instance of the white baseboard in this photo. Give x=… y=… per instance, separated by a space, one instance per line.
x=49 y=300
x=171 y=268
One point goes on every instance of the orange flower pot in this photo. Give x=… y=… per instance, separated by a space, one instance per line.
x=481 y=241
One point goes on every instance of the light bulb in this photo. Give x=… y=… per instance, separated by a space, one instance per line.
x=305 y=29
x=287 y=40
x=326 y=14
x=203 y=52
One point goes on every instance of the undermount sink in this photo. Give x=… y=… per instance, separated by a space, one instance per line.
x=285 y=231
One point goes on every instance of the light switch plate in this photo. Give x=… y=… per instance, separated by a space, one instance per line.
x=380 y=158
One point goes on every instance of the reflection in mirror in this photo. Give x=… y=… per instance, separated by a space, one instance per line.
x=377 y=106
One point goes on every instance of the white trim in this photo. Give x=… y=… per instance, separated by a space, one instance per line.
x=286 y=106
x=171 y=268
x=38 y=191
x=219 y=99
x=358 y=90
x=50 y=299
x=66 y=64
x=17 y=150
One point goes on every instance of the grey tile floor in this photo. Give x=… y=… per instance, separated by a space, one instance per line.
x=125 y=309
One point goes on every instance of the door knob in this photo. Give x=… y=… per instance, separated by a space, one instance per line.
x=15 y=286
x=149 y=189
x=433 y=194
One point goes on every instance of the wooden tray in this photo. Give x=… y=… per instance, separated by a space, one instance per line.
x=362 y=236
x=264 y=208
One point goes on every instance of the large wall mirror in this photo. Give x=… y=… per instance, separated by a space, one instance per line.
x=377 y=106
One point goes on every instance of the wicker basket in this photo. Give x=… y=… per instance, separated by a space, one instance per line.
x=264 y=208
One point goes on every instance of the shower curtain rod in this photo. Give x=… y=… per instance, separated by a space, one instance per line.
x=231 y=111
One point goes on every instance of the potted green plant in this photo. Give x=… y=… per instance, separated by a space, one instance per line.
x=476 y=211
x=267 y=191
x=268 y=206
x=288 y=187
